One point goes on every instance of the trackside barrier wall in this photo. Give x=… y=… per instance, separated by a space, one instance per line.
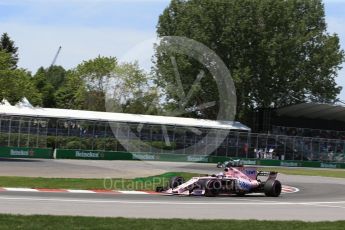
x=107 y=155
x=91 y=155
x=18 y=152
x=312 y=164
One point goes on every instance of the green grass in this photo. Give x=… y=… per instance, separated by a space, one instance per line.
x=338 y=173
x=144 y=183
x=69 y=222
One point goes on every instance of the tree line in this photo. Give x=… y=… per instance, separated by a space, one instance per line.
x=278 y=52
x=83 y=87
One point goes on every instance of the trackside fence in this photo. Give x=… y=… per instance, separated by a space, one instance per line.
x=46 y=153
x=31 y=136
x=106 y=155
x=17 y=152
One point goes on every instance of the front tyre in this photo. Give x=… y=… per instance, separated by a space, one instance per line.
x=175 y=181
x=213 y=187
x=272 y=188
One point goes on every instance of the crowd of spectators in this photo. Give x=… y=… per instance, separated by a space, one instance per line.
x=266 y=153
x=306 y=132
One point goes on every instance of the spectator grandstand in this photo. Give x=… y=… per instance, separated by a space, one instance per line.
x=307 y=132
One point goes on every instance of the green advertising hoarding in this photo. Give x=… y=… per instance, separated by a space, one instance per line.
x=108 y=155
x=91 y=155
x=21 y=152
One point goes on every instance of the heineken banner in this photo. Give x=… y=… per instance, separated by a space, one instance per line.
x=91 y=155
x=18 y=152
x=287 y=163
x=107 y=155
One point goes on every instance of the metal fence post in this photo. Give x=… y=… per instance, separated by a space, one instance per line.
x=237 y=139
x=56 y=133
x=285 y=140
x=93 y=134
x=105 y=134
x=0 y=124
x=248 y=145
x=19 y=131
x=9 y=132
x=46 y=132
x=68 y=128
x=227 y=144
x=312 y=149
x=37 y=132
x=29 y=130
x=174 y=140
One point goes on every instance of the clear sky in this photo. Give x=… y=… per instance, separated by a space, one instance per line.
x=88 y=28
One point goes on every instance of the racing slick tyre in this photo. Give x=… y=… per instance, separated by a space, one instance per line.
x=175 y=181
x=272 y=188
x=240 y=194
x=212 y=187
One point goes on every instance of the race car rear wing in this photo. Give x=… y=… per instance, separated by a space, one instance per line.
x=271 y=175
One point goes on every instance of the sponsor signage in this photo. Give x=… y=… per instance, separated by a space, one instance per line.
x=15 y=152
x=23 y=152
x=107 y=155
x=328 y=165
x=145 y=157
x=87 y=154
x=249 y=162
x=91 y=154
x=197 y=158
x=289 y=164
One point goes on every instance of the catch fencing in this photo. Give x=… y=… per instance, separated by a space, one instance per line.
x=31 y=132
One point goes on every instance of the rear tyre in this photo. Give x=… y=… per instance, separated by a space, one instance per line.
x=241 y=194
x=272 y=188
x=159 y=189
x=175 y=181
x=212 y=187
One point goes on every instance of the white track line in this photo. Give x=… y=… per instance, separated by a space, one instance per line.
x=21 y=189
x=321 y=204
x=326 y=206
x=133 y=192
x=79 y=191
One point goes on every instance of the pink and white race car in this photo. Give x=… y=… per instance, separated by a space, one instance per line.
x=235 y=179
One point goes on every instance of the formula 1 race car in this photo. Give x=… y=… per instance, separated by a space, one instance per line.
x=236 y=179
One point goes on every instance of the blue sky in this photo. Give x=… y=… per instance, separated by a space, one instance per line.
x=87 y=28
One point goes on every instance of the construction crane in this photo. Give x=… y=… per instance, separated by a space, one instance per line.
x=56 y=56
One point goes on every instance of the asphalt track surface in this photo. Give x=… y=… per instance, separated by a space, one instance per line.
x=95 y=168
x=319 y=199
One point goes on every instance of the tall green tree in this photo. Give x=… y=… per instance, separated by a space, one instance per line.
x=95 y=74
x=56 y=76
x=278 y=52
x=8 y=46
x=16 y=84
x=5 y=60
x=123 y=84
x=48 y=82
x=72 y=93
x=45 y=88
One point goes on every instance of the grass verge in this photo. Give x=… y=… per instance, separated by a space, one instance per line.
x=141 y=183
x=69 y=222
